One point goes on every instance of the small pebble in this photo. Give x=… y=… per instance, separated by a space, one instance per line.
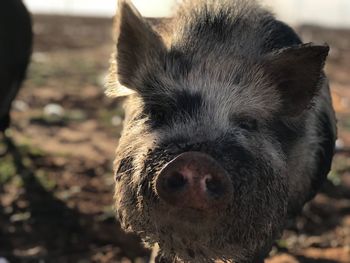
x=339 y=144
x=116 y=121
x=54 y=110
x=20 y=105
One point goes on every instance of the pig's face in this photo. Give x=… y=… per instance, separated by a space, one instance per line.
x=207 y=199
x=200 y=168
x=201 y=187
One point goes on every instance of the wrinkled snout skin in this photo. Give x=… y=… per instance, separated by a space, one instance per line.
x=15 y=50
x=229 y=129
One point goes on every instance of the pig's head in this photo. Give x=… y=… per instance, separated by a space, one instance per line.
x=200 y=167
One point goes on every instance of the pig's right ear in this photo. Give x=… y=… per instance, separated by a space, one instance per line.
x=297 y=72
x=138 y=48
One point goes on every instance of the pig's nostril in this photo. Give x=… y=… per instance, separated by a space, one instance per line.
x=214 y=186
x=176 y=181
x=194 y=180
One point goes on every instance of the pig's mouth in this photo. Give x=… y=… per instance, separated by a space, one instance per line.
x=196 y=236
x=233 y=232
x=235 y=223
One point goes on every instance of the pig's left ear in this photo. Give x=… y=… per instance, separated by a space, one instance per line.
x=138 y=48
x=297 y=72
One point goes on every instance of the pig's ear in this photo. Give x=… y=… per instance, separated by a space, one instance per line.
x=297 y=72
x=138 y=46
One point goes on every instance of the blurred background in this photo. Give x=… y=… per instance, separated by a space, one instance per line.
x=56 y=191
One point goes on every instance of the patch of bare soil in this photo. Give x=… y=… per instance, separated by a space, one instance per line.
x=56 y=184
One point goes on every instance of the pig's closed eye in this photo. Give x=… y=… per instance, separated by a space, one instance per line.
x=249 y=124
x=158 y=116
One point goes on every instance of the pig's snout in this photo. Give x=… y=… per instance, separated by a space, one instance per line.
x=194 y=180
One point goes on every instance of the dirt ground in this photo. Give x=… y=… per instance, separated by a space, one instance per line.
x=56 y=189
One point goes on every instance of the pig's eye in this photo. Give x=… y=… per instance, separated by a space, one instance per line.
x=248 y=124
x=158 y=116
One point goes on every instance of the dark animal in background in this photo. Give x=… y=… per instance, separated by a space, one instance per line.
x=15 y=50
x=229 y=129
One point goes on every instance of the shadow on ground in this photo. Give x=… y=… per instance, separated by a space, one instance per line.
x=39 y=226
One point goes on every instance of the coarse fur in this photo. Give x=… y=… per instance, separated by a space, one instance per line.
x=227 y=79
x=15 y=51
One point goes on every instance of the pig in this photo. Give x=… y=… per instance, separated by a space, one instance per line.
x=15 y=51
x=229 y=129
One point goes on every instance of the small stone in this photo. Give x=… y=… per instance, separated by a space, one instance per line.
x=54 y=110
x=116 y=120
x=339 y=144
x=20 y=105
